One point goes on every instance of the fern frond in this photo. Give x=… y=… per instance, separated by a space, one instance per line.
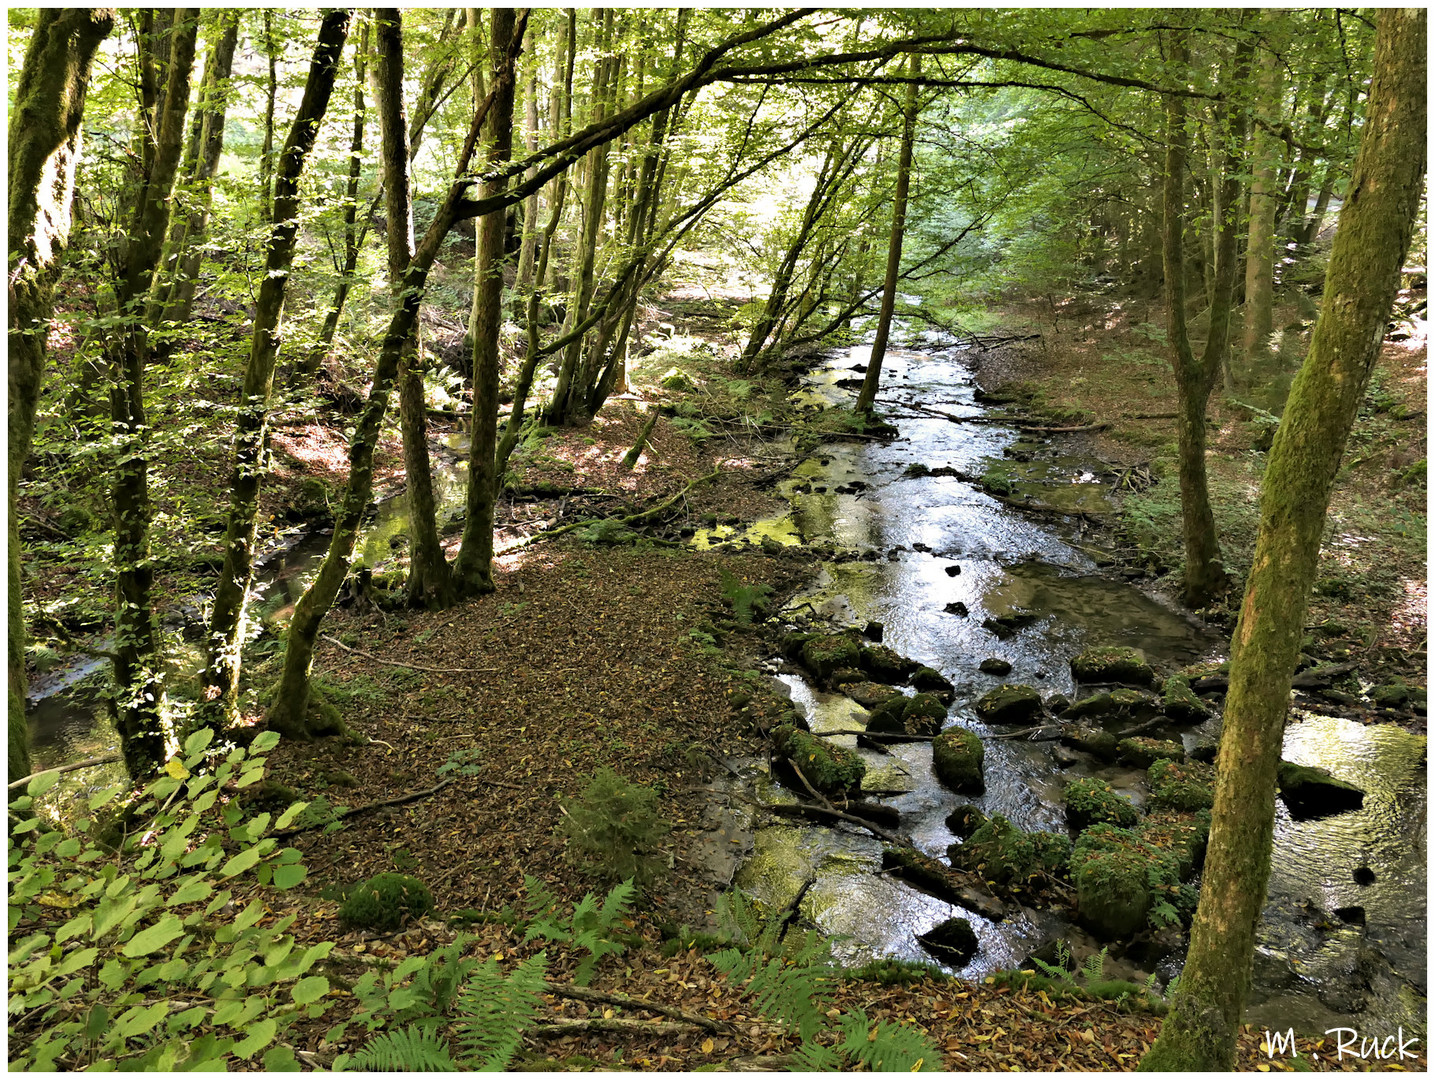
x=1095 y=963
x=888 y=1047
x=738 y=919
x=1052 y=971
x=814 y=1057
x=495 y=1011
x=615 y=905
x=416 y=1048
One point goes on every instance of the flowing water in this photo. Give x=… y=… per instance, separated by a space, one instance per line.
x=899 y=537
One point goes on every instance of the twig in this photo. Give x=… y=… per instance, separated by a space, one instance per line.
x=88 y=763
x=797 y=809
x=1063 y=430
x=583 y=993
x=889 y=736
x=412 y=796
x=1027 y=731
x=415 y=667
x=615 y=1024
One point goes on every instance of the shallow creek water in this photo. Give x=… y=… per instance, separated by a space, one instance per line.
x=1013 y=563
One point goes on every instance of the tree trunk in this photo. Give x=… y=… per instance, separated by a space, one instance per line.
x=429 y=580
x=44 y=152
x=266 y=154
x=1370 y=244
x=527 y=254
x=1205 y=577
x=473 y=568
x=187 y=236
x=227 y=623
x=868 y=394
x=1226 y=217
x=1261 y=240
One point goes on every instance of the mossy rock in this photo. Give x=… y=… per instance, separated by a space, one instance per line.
x=1398 y=695
x=952 y=941
x=1122 y=702
x=921 y=715
x=676 y=379
x=965 y=820
x=1006 y=855
x=995 y=665
x=1180 y=703
x=934 y=682
x=848 y=676
x=792 y=643
x=385 y=901
x=957 y=759
x=870 y=694
x=1183 y=835
x=1312 y=792
x=1118 y=876
x=1112 y=664
x=1009 y=703
x=823 y=655
x=886 y=665
x=1185 y=786
x=1096 y=741
x=830 y=769
x=607 y=533
x=1090 y=801
x=1140 y=751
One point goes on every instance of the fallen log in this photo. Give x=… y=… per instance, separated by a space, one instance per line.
x=953 y=886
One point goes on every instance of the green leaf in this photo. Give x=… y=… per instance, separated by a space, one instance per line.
x=288 y=816
x=198 y=742
x=310 y=989
x=74 y=928
x=280 y=1059
x=286 y=877
x=154 y=937
x=42 y=783
x=97 y=1021
x=240 y=863
x=194 y=889
x=76 y=960
x=256 y=828
x=256 y=1037
x=266 y=741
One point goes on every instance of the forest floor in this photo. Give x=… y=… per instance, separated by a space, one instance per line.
x=485 y=722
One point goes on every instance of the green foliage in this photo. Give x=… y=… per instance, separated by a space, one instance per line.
x=112 y=946
x=384 y=901
x=411 y=1049
x=1188 y=786
x=1006 y=855
x=1091 y=800
x=1085 y=983
x=884 y=1047
x=1122 y=881
x=745 y=600
x=589 y=927
x=615 y=828
x=892 y=971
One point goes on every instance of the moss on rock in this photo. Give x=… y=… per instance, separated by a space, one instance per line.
x=1010 y=703
x=385 y=901
x=957 y=759
x=1112 y=664
x=884 y=664
x=1006 y=855
x=1185 y=786
x=1179 y=701
x=1118 y=879
x=965 y=820
x=1183 y=835
x=1311 y=792
x=934 y=682
x=1140 y=751
x=1090 y=801
x=823 y=655
x=921 y=715
x=830 y=769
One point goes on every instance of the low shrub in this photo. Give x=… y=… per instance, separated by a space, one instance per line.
x=385 y=901
x=614 y=828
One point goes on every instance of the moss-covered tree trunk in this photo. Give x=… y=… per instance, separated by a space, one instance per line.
x=867 y=396
x=226 y=622
x=473 y=569
x=429 y=581
x=1370 y=244
x=288 y=711
x=44 y=151
x=1205 y=577
x=139 y=703
x=175 y=296
x=1261 y=237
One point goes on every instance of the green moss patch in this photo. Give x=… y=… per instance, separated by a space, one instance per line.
x=957 y=758
x=1179 y=701
x=1112 y=664
x=1187 y=786
x=1010 y=703
x=830 y=769
x=1184 y=836
x=1006 y=855
x=1090 y=801
x=1140 y=751
x=1311 y=792
x=1122 y=882
x=385 y=901
x=824 y=655
x=921 y=715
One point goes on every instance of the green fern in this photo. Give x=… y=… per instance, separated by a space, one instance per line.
x=793 y=995
x=887 y=1047
x=746 y=600
x=416 y=1048
x=1093 y=967
x=587 y=928
x=495 y=1010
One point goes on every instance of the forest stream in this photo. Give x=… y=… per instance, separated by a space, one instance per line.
x=898 y=538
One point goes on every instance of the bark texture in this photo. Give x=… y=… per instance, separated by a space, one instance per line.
x=44 y=151
x=1371 y=240
x=1261 y=237
x=227 y=621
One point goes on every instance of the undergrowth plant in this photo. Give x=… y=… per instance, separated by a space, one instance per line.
x=1087 y=981
x=747 y=601
x=133 y=954
x=614 y=828
x=589 y=927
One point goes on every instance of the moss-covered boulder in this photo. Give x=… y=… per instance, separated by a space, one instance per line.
x=1090 y=740
x=933 y=682
x=1187 y=786
x=1140 y=751
x=385 y=901
x=870 y=694
x=1005 y=855
x=941 y=881
x=1090 y=801
x=1009 y=703
x=825 y=654
x=957 y=758
x=792 y=643
x=1398 y=695
x=953 y=942
x=1119 y=879
x=920 y=716
x=1124 y=702
x=1112 y=664
x=886 y=665
x=1180 y=703
x=1312 y=792
x=830 y=769
x=965 y=820
x=995 y=665
x=1184 y=836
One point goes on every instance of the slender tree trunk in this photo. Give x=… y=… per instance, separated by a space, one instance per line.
x=1376 y=222
x=867 y=397
x=289 y=710
x=227 y=619
x=320 y=348
x=140 y=697
x=429 y=579
x=527 y=254
x=44 y=152
x=1205 y=577
x=1261 y=240
x=187 y=237
x=266 y=154
x=1226 y=193
x=473 y=568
